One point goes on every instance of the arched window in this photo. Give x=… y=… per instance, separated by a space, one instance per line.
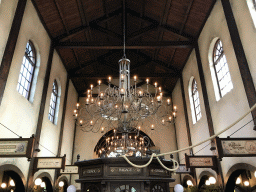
x=196 y=110
x=221 y=69
x=53 y=102
x=27 y=71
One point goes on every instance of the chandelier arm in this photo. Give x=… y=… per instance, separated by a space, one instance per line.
x=174 y=163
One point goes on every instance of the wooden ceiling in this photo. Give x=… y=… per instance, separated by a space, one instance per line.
x=88 y=35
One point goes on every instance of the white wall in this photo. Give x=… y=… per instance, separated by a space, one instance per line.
x=234 y=104
x=7 y=11
x=21 y=115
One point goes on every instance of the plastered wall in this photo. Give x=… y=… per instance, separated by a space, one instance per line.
x=21 y=115
x=234 y=104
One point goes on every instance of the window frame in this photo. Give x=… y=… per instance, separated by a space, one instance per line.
x=55 y=87
x=214 y=63
x=193 y=93
x=33 y=64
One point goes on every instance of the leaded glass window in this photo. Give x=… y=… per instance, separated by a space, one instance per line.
x=196 y=101
x=221 y=69
x=27 y=71
x=53 y=102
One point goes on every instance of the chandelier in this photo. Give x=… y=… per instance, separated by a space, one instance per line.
x=124 y=108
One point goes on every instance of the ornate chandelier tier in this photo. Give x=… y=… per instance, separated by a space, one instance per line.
x=131 y=144
x=124 y=108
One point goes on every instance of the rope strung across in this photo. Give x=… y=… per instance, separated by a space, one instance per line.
x=176 y=164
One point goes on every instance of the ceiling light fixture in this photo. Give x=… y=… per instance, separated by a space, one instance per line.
x=124 y=108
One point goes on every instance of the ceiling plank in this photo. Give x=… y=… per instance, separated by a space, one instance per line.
x=134 y=45
x=163 y=26
x=160 y=63
x=141 y=32
x=182 y=27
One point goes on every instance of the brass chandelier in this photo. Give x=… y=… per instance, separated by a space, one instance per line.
x=124 y=108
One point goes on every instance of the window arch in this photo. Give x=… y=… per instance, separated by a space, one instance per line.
x=252 y=8
x=222 y=78
x=27 y=71
x=194 y=101
x=54 y=102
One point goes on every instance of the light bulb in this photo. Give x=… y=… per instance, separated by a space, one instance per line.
x=3 y=185
x=109 y=79
x=238 y=181
x=91 y=86
x=147 y=80
x=189 y=183
x=135 y=78
x=61 y=184
x=38 y=181
x=43 y=185
x=212 y=180
x=246 y=183
x=12 y=183
x=99 y=82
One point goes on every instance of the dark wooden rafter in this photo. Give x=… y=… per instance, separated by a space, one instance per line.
x=56 y=2
x=76 y=70
x=201 y=28
x=163 y=26
x=163 y=21
x=160 y=63
x=85 y=22
x=182 y=28
x=119 y=45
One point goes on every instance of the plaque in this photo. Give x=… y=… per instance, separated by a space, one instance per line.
x=201 y=161
x=97 y=171
x=124 y=171
x=236 y=147
x=16 y=147
x=158 y=172
x=182 y=169
x=50 y=162
x=70 y=169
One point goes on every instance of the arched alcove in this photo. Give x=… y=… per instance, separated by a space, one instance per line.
x=238 y=174
x=12 y=173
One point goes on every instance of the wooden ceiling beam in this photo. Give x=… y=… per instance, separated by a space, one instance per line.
x=163 y=26
x=86 y=24
x=104 y=76
x=182 y=27
x=134 y=45
x=141 y=32
x=76 y=70
x=106 y=31
x=160 y=63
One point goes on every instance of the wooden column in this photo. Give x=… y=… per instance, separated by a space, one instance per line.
x=57 y=171
x=187 y=122
x=10 y=46
x=40 y=117
x=207 y=109
x=185 y=112
x=240 y=56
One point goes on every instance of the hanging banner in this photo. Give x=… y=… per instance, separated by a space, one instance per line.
x=69 y=169
x=183 y=169
x=236 y=147
x=50 y=162
x=202 y=161
x=21 y=147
